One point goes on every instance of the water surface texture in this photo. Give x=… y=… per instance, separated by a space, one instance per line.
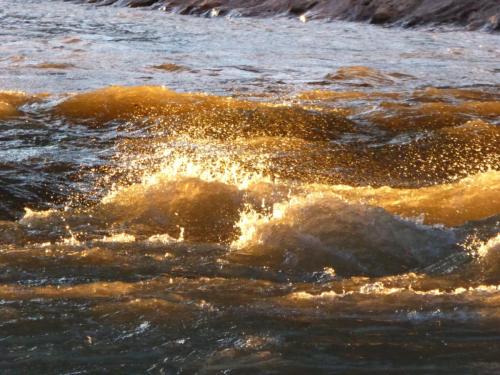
x=182 y=195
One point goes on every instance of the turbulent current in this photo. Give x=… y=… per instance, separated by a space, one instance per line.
x=245 y=196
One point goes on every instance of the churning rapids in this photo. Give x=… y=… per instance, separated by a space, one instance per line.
x=186 y=195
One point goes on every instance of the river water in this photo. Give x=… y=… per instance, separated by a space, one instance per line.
x=228 y=195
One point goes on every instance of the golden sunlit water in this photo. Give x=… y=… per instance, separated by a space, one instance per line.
x=245 y=196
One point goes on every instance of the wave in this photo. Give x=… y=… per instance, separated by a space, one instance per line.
x=202 y=115
x=453 y=204
x=10 y=101
x=487 y=262
x=284 y=224
x=400 y=140
x=247 y=176
x=322 y=230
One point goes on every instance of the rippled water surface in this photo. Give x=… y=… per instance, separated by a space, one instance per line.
x=226 y=195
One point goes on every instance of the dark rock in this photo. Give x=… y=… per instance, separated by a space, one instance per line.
x=470 y=14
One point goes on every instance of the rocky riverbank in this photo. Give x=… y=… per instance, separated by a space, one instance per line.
x=470 y=14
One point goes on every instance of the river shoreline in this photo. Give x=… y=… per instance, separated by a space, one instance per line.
x=467 y=14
